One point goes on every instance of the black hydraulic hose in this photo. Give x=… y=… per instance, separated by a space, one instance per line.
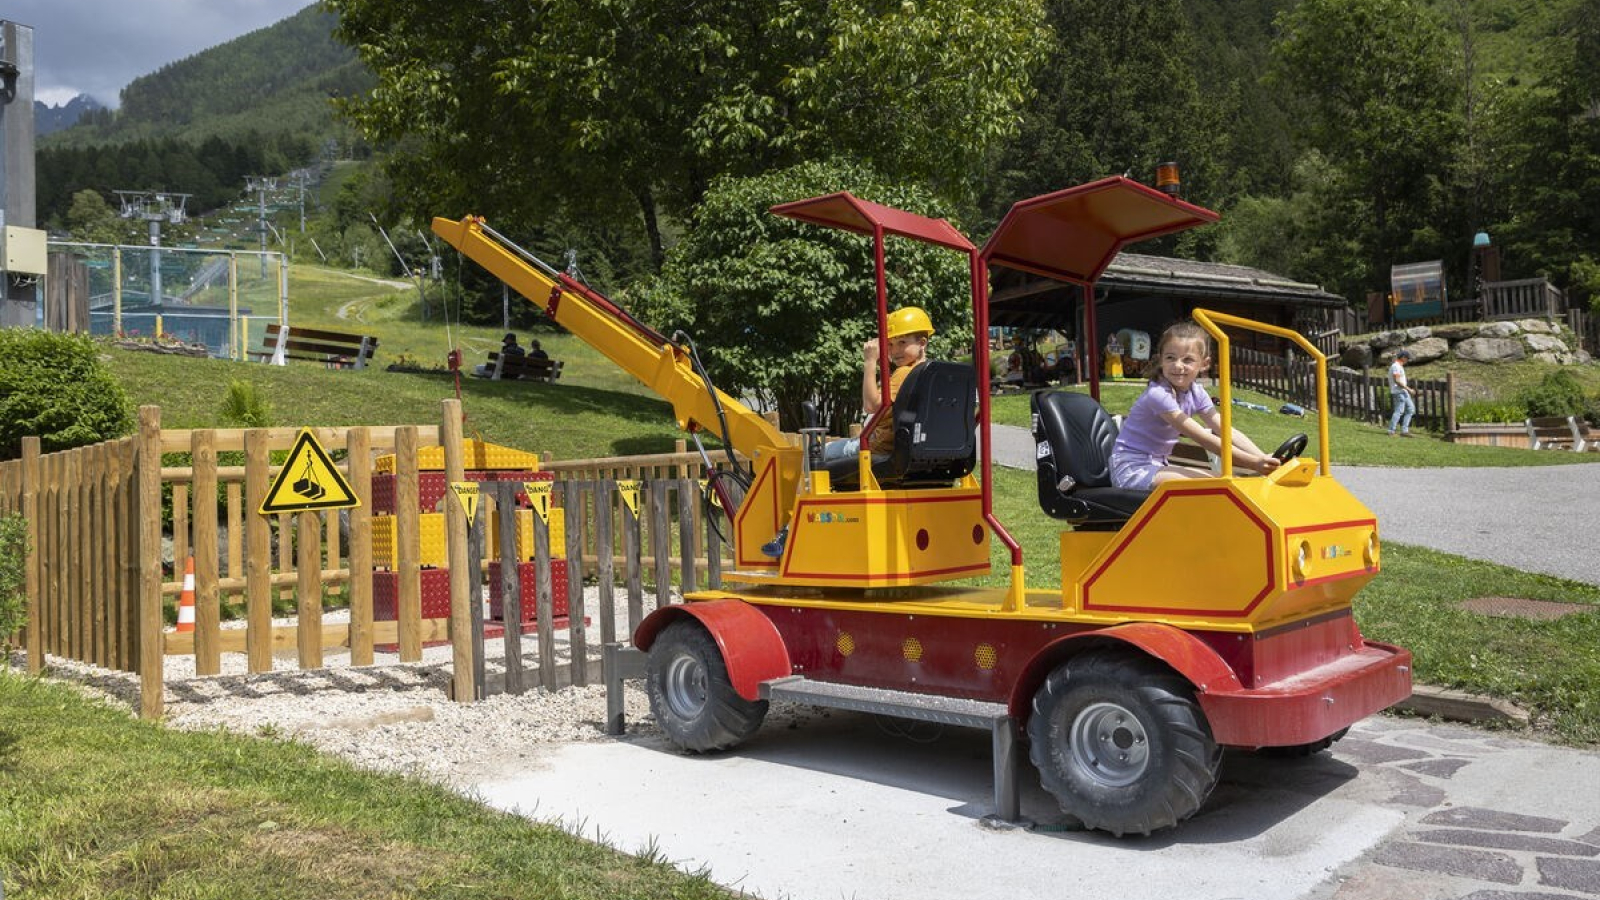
x=678 y=337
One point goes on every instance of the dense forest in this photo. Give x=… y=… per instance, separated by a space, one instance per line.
x=1337 y=137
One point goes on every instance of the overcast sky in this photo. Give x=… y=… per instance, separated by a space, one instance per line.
x=96 y=47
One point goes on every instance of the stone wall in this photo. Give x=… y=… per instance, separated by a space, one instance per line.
x=1485 y=342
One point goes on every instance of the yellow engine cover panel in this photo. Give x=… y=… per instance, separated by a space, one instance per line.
x=1193 y=550
x=887 y=538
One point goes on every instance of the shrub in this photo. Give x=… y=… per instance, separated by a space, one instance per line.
x=13 y=553
x=54 y=386
x=1557 y=394
x=1484 y=411
x=246 y=406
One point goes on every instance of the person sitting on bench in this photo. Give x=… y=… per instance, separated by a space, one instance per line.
x=509 y=348
x=535 y=352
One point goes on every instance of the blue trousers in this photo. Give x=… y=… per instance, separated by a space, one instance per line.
x=1405 y=406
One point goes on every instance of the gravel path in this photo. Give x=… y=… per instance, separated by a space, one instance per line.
x=389 y=716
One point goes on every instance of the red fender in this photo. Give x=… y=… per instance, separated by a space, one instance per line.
x=751 y=647
x=1179 y=650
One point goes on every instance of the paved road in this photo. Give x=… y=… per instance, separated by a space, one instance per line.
x=1539 y=519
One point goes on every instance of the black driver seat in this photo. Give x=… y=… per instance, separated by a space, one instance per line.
x=1073 y=436
x=934 y=441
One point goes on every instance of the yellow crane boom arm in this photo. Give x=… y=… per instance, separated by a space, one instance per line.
x=658 y=363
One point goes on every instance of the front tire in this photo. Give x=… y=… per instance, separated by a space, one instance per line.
x=1121 y=743
x=691 y=695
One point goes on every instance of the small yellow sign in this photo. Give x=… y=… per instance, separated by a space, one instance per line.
x=467 y=493
x=308 y=481
x=539 y=498
x=629 y=490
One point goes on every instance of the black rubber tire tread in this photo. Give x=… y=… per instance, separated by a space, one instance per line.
x=726 y=719
x=1300 y=751
x=1183 y=763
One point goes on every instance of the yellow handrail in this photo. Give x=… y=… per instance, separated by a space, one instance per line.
x=1210 y=321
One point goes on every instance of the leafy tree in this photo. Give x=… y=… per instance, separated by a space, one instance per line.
x=92 y=219
x=1117 y=93
x=566 y=108
x=1384 y=111
x=780 y=308
x=54 y=386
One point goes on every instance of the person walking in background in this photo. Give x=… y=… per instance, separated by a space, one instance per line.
x=1403 y=394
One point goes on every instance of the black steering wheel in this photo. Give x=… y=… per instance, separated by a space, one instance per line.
x=1291 y=448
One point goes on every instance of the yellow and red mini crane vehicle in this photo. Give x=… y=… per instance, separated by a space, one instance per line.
x=1203 y=614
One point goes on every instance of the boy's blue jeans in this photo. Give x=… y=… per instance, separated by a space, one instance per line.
x=1405 y=406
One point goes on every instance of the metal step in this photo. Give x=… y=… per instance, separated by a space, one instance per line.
x=881 y=701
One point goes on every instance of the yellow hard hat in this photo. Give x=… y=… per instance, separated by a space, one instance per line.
x=909 y=320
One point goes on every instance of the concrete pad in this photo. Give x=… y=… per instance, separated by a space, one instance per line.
x=845 y=805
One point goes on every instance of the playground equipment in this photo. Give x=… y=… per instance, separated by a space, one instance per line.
x=1208 y=614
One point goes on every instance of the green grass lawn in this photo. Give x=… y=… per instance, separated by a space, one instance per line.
x=95 y=804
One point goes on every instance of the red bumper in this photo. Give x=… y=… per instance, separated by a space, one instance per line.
x=1312 y=704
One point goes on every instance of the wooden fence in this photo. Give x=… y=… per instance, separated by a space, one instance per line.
x=1363 y=395
x=97 y=587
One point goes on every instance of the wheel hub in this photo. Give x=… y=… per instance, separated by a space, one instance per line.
x=1109 y=745
x=685 y=686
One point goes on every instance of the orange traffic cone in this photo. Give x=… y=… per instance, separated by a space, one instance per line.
x=186 y=602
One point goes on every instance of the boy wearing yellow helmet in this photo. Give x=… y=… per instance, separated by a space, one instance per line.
x=908 y=333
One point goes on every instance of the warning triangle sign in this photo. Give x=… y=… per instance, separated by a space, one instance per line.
x=308 y=481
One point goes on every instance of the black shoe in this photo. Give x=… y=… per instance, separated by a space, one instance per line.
x=774 y=547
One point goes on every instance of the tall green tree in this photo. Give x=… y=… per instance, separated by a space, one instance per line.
x=1118 y=93
x=1384 y=110
x=780 y=308
x=583 y=108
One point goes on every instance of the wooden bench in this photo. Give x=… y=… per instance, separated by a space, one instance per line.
x=506 y=368
x=1560 y=433
x=336 y=349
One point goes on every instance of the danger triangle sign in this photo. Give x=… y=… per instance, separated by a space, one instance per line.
x=308 y=481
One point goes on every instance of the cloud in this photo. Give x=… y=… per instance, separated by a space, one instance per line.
x=96 y=47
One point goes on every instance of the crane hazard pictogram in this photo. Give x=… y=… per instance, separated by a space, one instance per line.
x=308 y=481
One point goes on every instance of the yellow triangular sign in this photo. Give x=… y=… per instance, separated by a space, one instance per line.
x=467 y=493
x=308 y=481
x=629 y=489
x=539 y=498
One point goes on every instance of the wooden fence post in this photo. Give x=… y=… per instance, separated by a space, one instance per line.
x=358 y=460
x=604 y=564
x=258 y=553
x=511 y=599
x=207 y=604
x=463 y=584
x=573 y=506
x=632 y=548
x=152 y=688
x=688 y=497
x=407 y=545
x=659 y=523
x=544 y=601
x=30 y=513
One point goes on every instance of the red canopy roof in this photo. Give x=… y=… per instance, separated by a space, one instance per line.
x=851 y=213
x=1074 y=234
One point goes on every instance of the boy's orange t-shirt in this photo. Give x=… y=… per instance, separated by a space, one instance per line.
x=883 y=436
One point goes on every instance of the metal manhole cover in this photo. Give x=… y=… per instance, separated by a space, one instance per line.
x=1520 y=608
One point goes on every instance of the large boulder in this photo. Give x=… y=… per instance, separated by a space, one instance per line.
x=1545 y=343
x=1498 y=330
x=1356 y=356
x=1428 y=349
x=1491 y=349
x=1536 y=326
x=1418 y=332
x=1385 y=340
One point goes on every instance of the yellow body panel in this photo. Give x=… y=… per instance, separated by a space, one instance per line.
x=1202 y=552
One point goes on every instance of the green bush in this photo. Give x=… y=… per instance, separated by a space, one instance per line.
x=13 y=553
x=54 y=386
x=1557 y=394
x=1475 y=412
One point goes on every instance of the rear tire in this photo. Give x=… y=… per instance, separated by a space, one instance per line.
x=690 y=693
x=1121 y=743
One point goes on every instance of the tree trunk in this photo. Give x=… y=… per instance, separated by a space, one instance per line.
x=652 y=225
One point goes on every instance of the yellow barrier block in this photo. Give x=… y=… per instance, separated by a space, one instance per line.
x=476 y=455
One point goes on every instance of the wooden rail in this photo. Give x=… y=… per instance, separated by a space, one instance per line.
x=1363 y=396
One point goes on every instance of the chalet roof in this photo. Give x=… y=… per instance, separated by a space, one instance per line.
x=1165 y=274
